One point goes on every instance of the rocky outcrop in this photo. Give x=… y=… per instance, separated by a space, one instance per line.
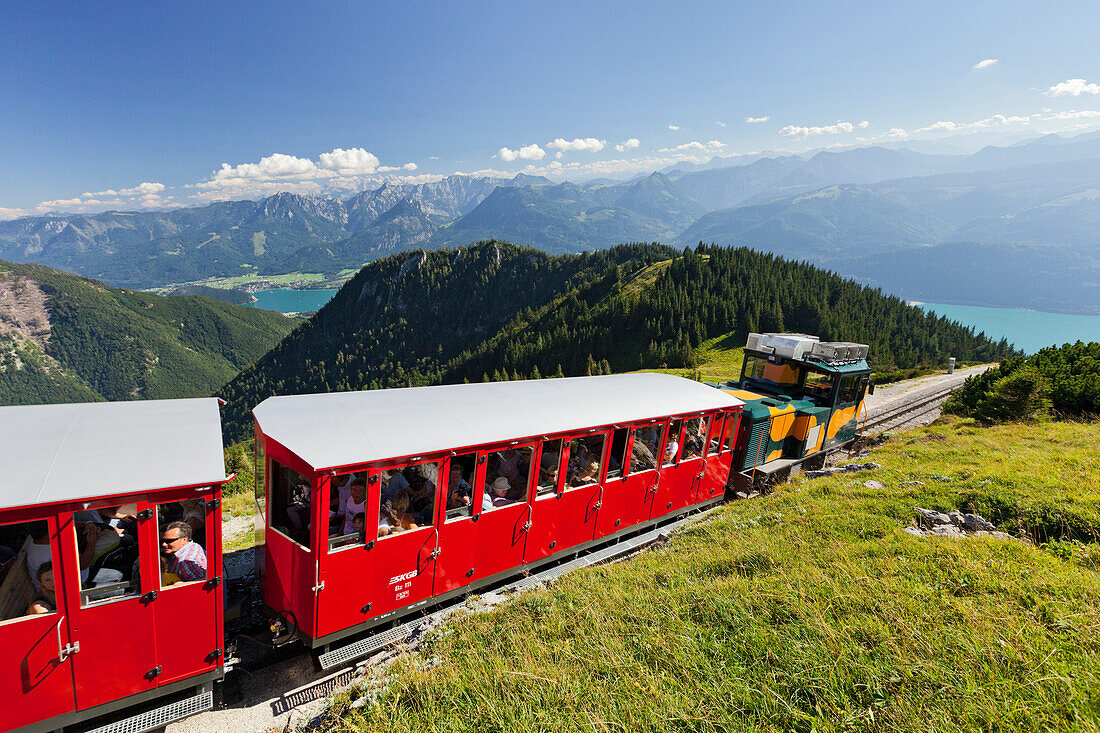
x=954 y=523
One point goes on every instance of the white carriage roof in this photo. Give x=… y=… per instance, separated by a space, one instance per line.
x=345 y=428
x=69 y=452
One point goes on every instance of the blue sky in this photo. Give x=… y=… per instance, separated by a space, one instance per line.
x=132 y=105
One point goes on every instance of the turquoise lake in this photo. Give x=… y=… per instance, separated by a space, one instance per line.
x=1028 y=330
x=286 y=300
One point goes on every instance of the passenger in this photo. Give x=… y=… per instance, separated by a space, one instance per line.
x=587 y=474
x=497 y=495
x=671 y=447
x=359 y=522
x=492 y=468
x=459 y=493
x=38 y=553
x=338 y=505
x=46 y=602
x=509 y=464
x=194 y=514
x=396 y=515
x=548 y=471
x=357 y=502
x=421 y=497
x=87 y=539
x=392 y=482
x=518 y=492
x=185 y=558
x=641 y=457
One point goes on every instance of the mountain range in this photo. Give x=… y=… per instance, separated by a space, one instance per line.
x=861 y=211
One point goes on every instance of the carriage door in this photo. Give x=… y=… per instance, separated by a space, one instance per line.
x=346 y=563
x=188 y=587
x=111 y=604
x=719 y=456
x=673 y=480
x=36 y=679
x=635 y=492
x=690 y=471
x=402 y=559
x=505 y=514
x=458 y=560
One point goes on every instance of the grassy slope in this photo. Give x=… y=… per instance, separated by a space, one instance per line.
x=809 y=609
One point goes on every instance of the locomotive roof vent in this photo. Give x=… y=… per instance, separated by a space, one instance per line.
x=802 y=346
x=790 y=345
x=834 y=352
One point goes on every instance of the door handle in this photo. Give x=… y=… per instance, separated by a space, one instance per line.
x=64 y=652
x=435 y=553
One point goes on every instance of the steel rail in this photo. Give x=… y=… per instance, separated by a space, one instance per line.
x=907 y=409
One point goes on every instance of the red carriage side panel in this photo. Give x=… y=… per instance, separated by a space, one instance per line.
x=36 y=679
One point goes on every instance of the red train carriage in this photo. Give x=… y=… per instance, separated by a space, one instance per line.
x=110 y=534
x=375 y=503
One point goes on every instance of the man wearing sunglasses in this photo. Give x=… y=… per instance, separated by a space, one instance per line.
x=186 y=559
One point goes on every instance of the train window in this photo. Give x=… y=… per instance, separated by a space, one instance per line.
x=715 y=434
x=585 y=461
x=730 y=429
x=460 y=486
x=549 y=466
x=695 y=437
x=672 y=442
x=109 y=553
x=618 y=453
x=347 y=510
x=507 y=476
x=291 y=504
x=182 y=531
x=643 y=454
x=849 y=389
x=819 y=387
x=408 y=498
x=26 y=571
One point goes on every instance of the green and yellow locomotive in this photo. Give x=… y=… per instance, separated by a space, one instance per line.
x=804 y=399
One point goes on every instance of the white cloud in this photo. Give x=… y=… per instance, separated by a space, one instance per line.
x=433 y=157
x=720 y=124
x=796 y=131
x=714 y=146
x=579 y=144
x=985 y=63
x=6 y=214
x=630 y=144
x=894 y=133
x=527 y=152
x=1084 y=114
x=987 y=123
x=1072 y=88
x=674 y=128
x=409 y=167
x=559 y=155
x=752 y=120
x=353 y=162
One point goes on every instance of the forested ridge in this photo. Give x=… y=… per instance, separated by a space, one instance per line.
x=499 y=311
x=67 y=338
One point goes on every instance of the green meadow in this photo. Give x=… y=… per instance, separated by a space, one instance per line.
x=809 y=609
